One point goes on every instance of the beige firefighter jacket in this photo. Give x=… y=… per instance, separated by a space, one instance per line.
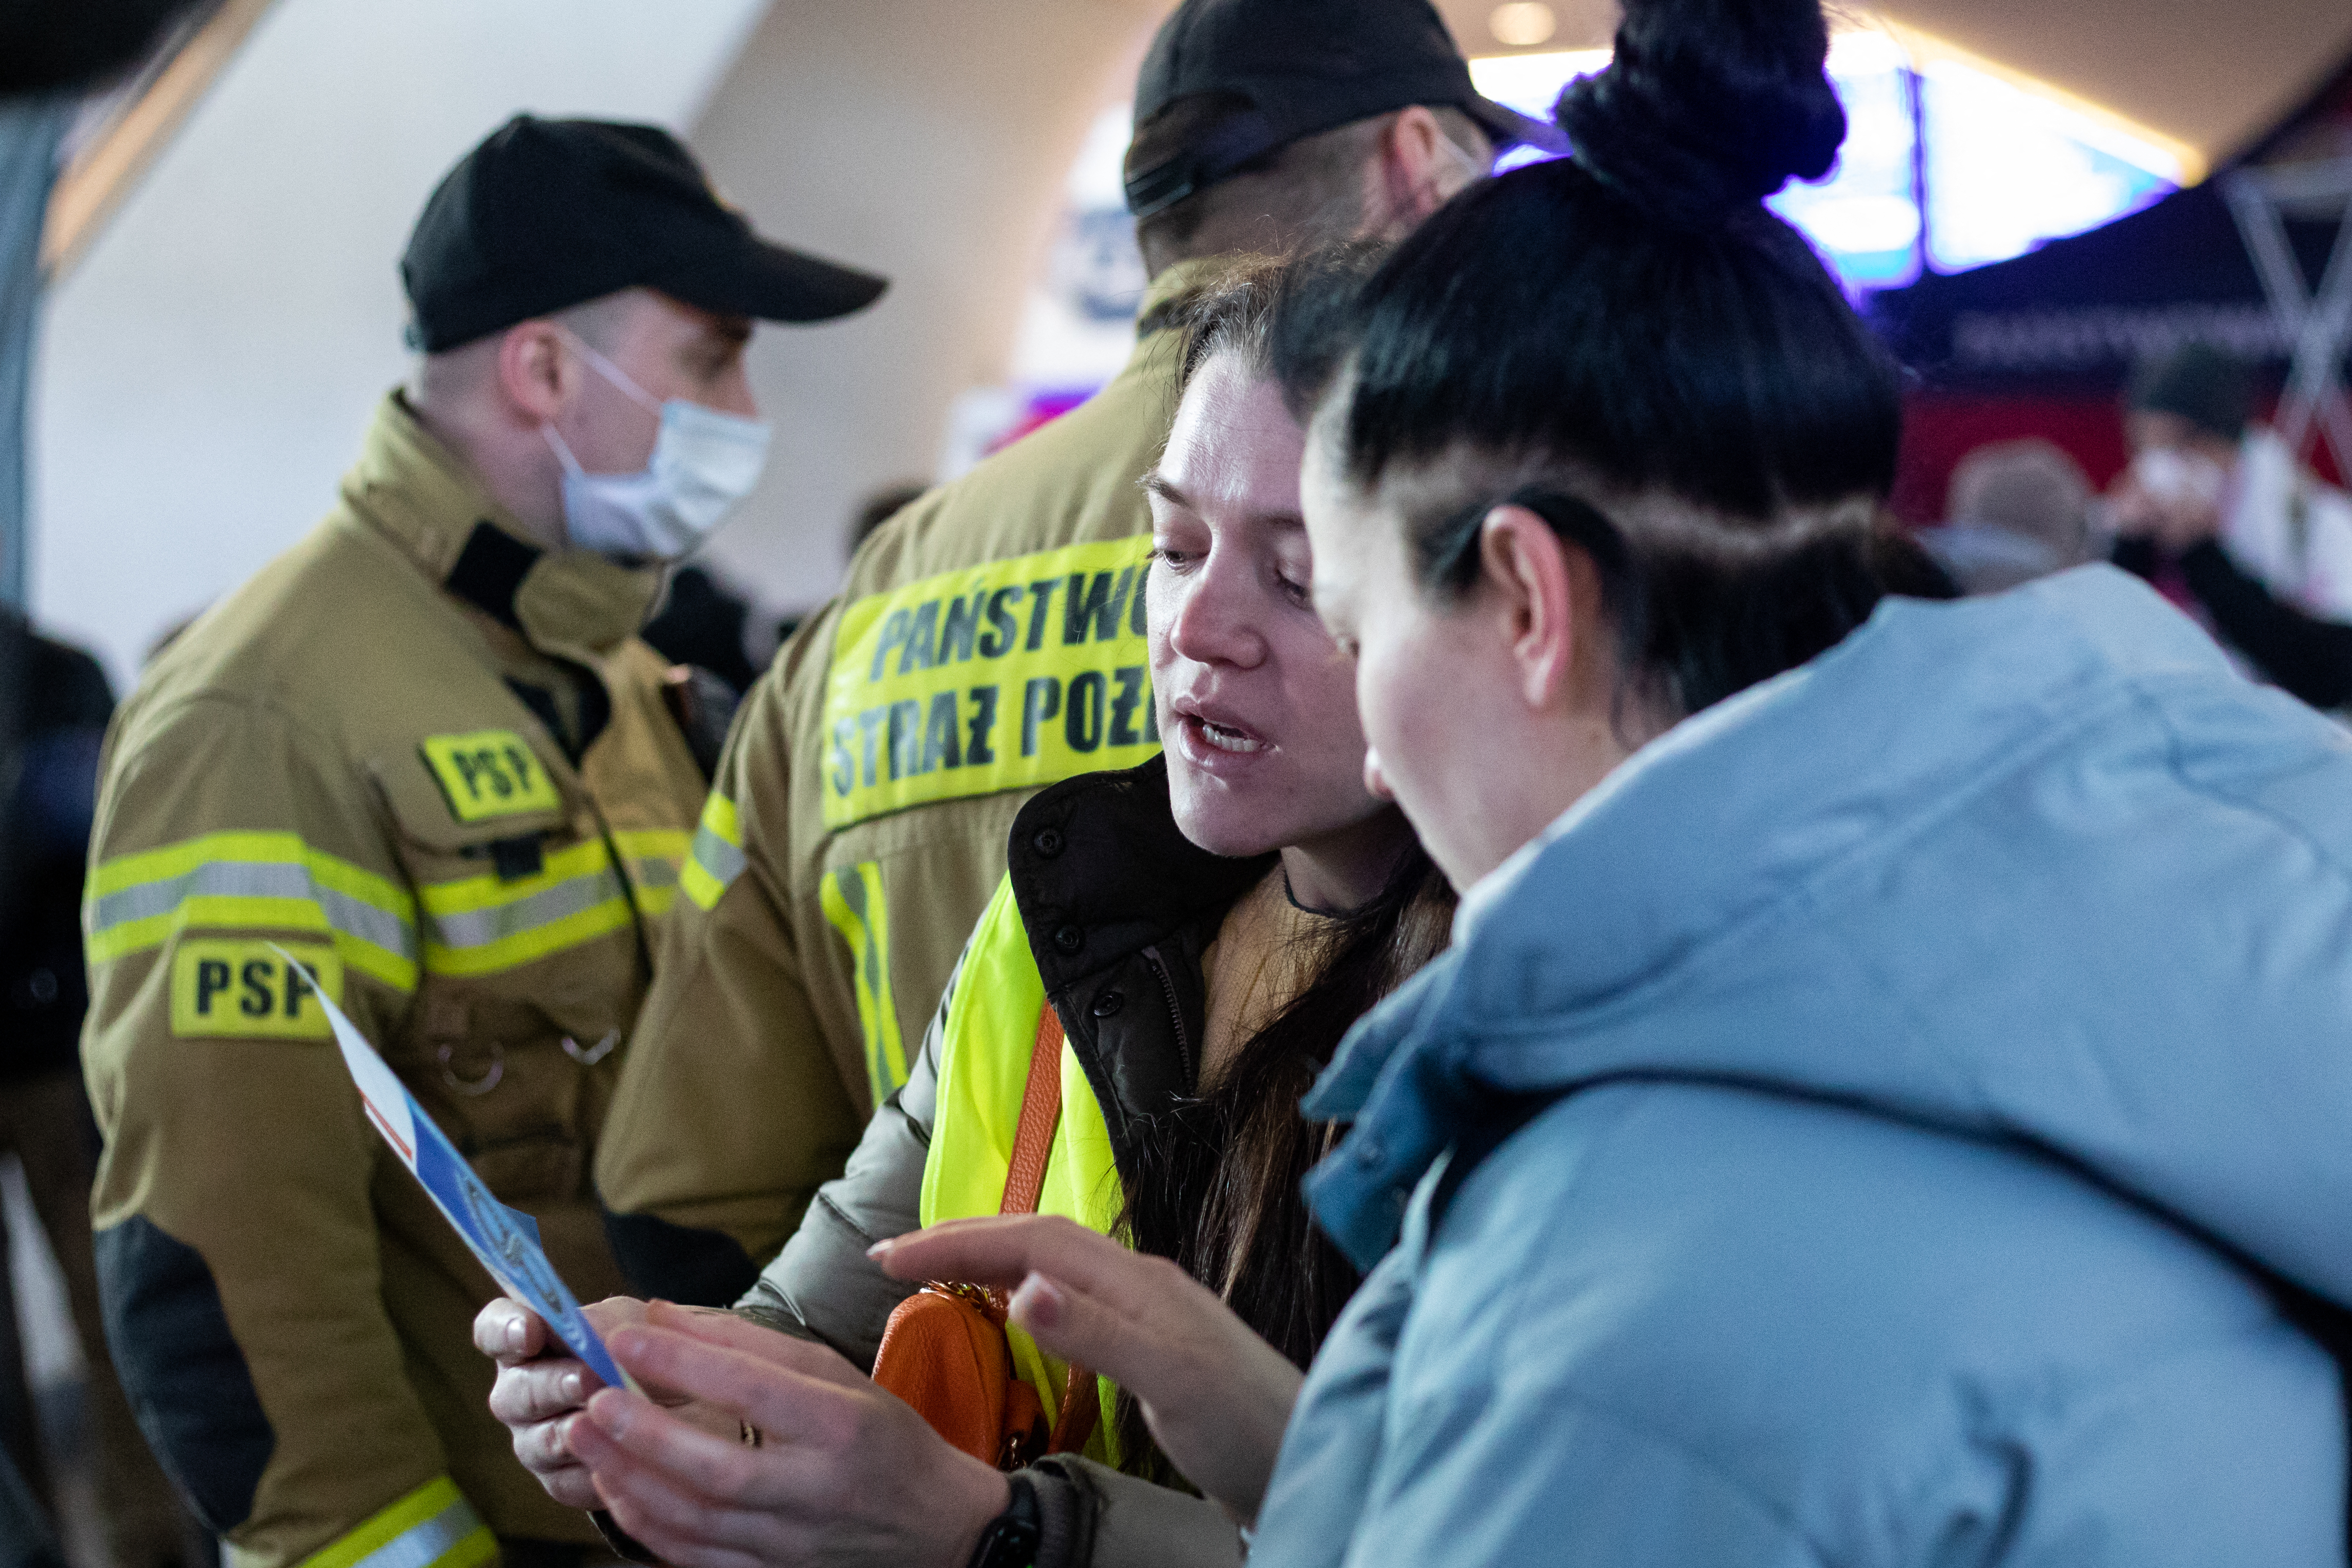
x=434 y=765
x=989 y=642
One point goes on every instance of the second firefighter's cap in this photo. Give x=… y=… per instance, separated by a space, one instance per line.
x=1228 y=81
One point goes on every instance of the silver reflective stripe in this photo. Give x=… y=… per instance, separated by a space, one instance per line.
x=654 y=871
x=722 y=859
x=420 y=1545
x=480 y=928
x=254 y=879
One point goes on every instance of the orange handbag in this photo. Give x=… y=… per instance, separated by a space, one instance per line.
x=944 y=1350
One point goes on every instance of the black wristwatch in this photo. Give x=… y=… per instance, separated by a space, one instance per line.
x=1010 y=1539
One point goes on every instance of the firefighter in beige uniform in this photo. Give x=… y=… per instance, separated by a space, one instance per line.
x=989 y=641
x=424 y=753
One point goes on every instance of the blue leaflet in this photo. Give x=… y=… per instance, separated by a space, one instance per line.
x=505 y=1239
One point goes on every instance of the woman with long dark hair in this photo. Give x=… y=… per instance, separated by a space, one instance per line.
x=1885 y=1100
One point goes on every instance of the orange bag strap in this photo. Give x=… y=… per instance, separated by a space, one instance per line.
x=1033 y=1142
x=1041 y=1108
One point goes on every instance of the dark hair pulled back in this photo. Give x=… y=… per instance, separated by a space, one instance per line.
x=1707 y=106
x=1630 y=335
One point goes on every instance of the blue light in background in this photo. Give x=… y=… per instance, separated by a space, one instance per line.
x=2005 y=169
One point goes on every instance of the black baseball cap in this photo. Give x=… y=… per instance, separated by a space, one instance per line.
x=548 y=214
x=1268 y=72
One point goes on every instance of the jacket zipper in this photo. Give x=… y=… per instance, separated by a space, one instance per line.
x=1175 y=1014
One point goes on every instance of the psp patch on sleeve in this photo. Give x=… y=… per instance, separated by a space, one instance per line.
x=489 y=773
x=1010 y=675
x=242 y=989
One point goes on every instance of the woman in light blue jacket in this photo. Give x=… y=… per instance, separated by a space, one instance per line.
x=1888 y=1105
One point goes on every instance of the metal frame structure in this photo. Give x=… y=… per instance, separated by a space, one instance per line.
x=2317 y=320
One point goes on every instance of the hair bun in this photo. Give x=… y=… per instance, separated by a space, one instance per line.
x=1708 y=106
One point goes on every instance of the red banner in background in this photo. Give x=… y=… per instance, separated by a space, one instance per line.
x=1941 y=428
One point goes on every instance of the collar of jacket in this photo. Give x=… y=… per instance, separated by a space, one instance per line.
x=1101 y=871
x=419 y=494
x=1117 y=905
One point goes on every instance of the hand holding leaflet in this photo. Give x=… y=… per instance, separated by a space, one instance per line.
x=505 y=1239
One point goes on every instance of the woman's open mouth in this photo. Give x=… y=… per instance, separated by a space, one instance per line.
x=1217 y=743
x=1224 y=737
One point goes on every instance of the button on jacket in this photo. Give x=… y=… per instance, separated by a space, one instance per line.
x=434 y=765
x=989 y=642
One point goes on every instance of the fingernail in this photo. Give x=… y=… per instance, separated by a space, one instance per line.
x=1037 y=1301
x=514 y=1333
x=882 y=1248
x=573 y=1387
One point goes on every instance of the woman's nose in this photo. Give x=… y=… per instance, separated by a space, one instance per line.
x=1217 y=623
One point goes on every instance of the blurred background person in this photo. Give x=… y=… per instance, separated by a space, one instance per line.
x=2218 y=513
x=859 y=822
x=45 y=1116
x=54 y=706
x=701 y=624
x=425 y=752
x=879 y=507
x=2017 y=510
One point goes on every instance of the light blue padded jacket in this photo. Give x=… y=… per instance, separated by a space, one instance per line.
x=1899 y=1055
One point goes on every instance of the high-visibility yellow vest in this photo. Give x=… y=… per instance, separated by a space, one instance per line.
x=985 y=1052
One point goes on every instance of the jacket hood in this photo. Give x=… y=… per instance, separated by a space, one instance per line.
x=2040 y=867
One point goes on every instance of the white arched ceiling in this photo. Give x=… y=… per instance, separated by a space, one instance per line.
x=206 y=372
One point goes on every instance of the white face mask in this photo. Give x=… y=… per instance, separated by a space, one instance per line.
x=704 y=462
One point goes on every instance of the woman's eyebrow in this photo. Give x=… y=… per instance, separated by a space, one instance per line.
x=1154 y=485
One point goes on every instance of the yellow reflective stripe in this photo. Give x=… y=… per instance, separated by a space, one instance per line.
x=432 y=1527
x=243 y=880
x=480 y=924
x=668 y=844
x=655 y=856
x=716 y=857
x=853 y=902
x=990 y=1034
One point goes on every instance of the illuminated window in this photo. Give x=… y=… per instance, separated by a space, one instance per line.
x=2005 y=169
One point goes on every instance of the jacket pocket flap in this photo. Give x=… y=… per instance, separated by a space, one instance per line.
x=459 y=793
